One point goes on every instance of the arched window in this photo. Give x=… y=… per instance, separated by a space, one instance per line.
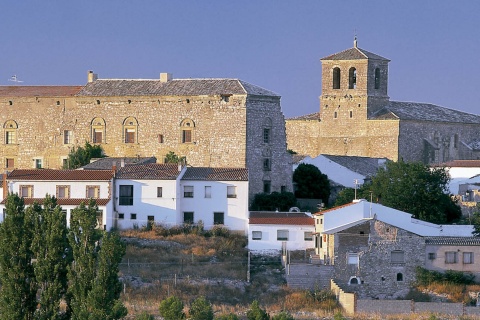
x=336 y=78
x=399 y=276
x=98 y=130
x=10 y=132
x=130 y=130
x=353 y=280
x=267 y=130
x=187 y=127
x=377 y=78
x=352 y=78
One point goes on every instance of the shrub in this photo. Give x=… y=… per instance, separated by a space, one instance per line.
x=426 y=277
x=230 y=316
x=144 y=316
x=172 y=308
x=219 y=231
x=283 y=316
x=257 y=313
x=201 y=309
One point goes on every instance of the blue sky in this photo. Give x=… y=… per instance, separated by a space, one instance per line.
x=433 y=45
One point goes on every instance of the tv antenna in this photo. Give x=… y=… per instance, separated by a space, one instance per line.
x=14 y=79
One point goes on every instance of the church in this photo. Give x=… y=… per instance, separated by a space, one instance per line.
x=212 y=122
x=357 y=118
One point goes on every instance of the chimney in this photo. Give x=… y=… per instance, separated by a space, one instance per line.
x=165 y=77
x=114 y=167
x=92 y=76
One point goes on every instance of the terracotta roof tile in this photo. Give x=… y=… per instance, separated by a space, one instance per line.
x=66 y=175
x=150 y=171
x=311 y=116
x=216 y=174
x=64 y=202
x=285 y=218
x=39 y=91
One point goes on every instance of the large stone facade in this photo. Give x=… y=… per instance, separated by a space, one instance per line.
x=357 y=118
x=212 y=122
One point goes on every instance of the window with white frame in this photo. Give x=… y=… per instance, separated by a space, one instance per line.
x=208 y=191
x=450 y=257
x=256 y=235
x=352 y=258
x=231 y=191
x=308 y=236
x=188 y=191
x=282 y=235
x=467 y=257
x=38 y=163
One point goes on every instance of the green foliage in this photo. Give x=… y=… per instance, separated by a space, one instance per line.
x=273 y=201
x=311 y=183
x=339 y=316
x=283 y=316
x=476 y=221
x=229 y=316
x=80 y=156
x=19 y=286
x=426 y=277
x=257 y=313
x=201 y=309
x=172 y=308
x=347 y=195
x=144 y=316
x=171 y=157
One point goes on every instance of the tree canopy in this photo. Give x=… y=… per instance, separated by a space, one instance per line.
x=311 y=183
x=415 y=188
x=80 y=156
x=281 y=201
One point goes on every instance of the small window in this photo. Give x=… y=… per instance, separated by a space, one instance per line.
x=450 y=257
x=187 y=127
x=186 y=136
x=121 y=216
x=208 y=191
x=397 y=256
x=97 y=135
x=352 y=78
x=38 y=163
x=10 y=137
x=282 y=235
x=218 y=218
x=188 y=217
x=336 y=78
x=267 y=165
x=431 y=256
x=266 y=135
x=467 y=257
x=133 y=216
x=63 y=192
x=159 y=192
x=377 y=78
x=351 y=114
x=130 y=126
x=188 y=191
x=231 y=191
x=399 y=276
x=93 y=192
x=267 y=186
x=10 y=163
x=352 y=258
x=129 y=135
x=160 y=138
x=256 y=235
x=26 y=191
x=335 y=115
x=150 y=220
x=126 y=195
x=308 y=236
x=353 y=280
x=67 y=136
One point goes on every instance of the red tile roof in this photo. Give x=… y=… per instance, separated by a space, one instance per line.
x=39 y=91
x=285 y=218
x=64 y=202
x=55 y=175
x=150 y=171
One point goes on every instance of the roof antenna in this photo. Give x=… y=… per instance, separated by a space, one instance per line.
x=14 y=79
x=355 y=38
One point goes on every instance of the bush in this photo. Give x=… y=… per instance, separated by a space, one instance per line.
x=230 y=316
x=426 y=277
x=257 y=313
x=144 y=316
x=172 y=308
x=283 y=316
x=201 y=309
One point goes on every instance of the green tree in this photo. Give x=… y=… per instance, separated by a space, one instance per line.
x=171 y=308
x=417 y=189
x=283 y=316
x=80 y=156
x=52 y=252
x=311 y=183
x=144 y=316
x=171 y=157
x=201 y=309
x=475 y=221
x=257 y=313
x=273 y=201
x=229 y=316
x=18 y=284
x=347 y=195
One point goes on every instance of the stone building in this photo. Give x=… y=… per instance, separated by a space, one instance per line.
x=357 y=118
x=212 y=122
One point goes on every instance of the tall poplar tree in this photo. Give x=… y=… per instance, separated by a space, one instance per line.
x=18 y=285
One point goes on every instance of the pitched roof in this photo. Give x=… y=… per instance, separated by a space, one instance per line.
x=39 y=91
x=216 y=174
x=175 y=87
x=108 y=162
x=66 y=175
x=284 y=218
x=354 y=53
x=310 y=116
x=64 y=201
x=364 y=165
x=149 y=171
x=454 y=241
x=423 y=112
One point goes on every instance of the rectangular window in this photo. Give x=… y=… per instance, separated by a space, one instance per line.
x=266 y=186
x=208 y=191
x=431 y=256
x=266 y=164
x=63 y=192
x=218 y=218
x=282 y=235
x=308 y=236
x=188 y=191
x=256 y=235
x=159 y=192
x=97 y=135
x=64 y=163
x=126 y=195
x=133 y=216
x=10 y=163
x=121 y=216
x=93 y=192
x=10 y=137
x=467 y=257
x=67 y=136
x=38 y=163
x=26 y=191
x=352 y=258
x=397 y=256
x=129 y=135
x=188 y=217
x=450 y=257
x=186 y=136
x=266 y=135
x=231 y=191
x=160 y=138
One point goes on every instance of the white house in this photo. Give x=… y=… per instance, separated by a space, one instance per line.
x=70 y=187
x=215 y=196
x=460 y=171
x=280 y=230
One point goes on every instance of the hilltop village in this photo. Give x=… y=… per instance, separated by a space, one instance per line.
x=237 y=143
